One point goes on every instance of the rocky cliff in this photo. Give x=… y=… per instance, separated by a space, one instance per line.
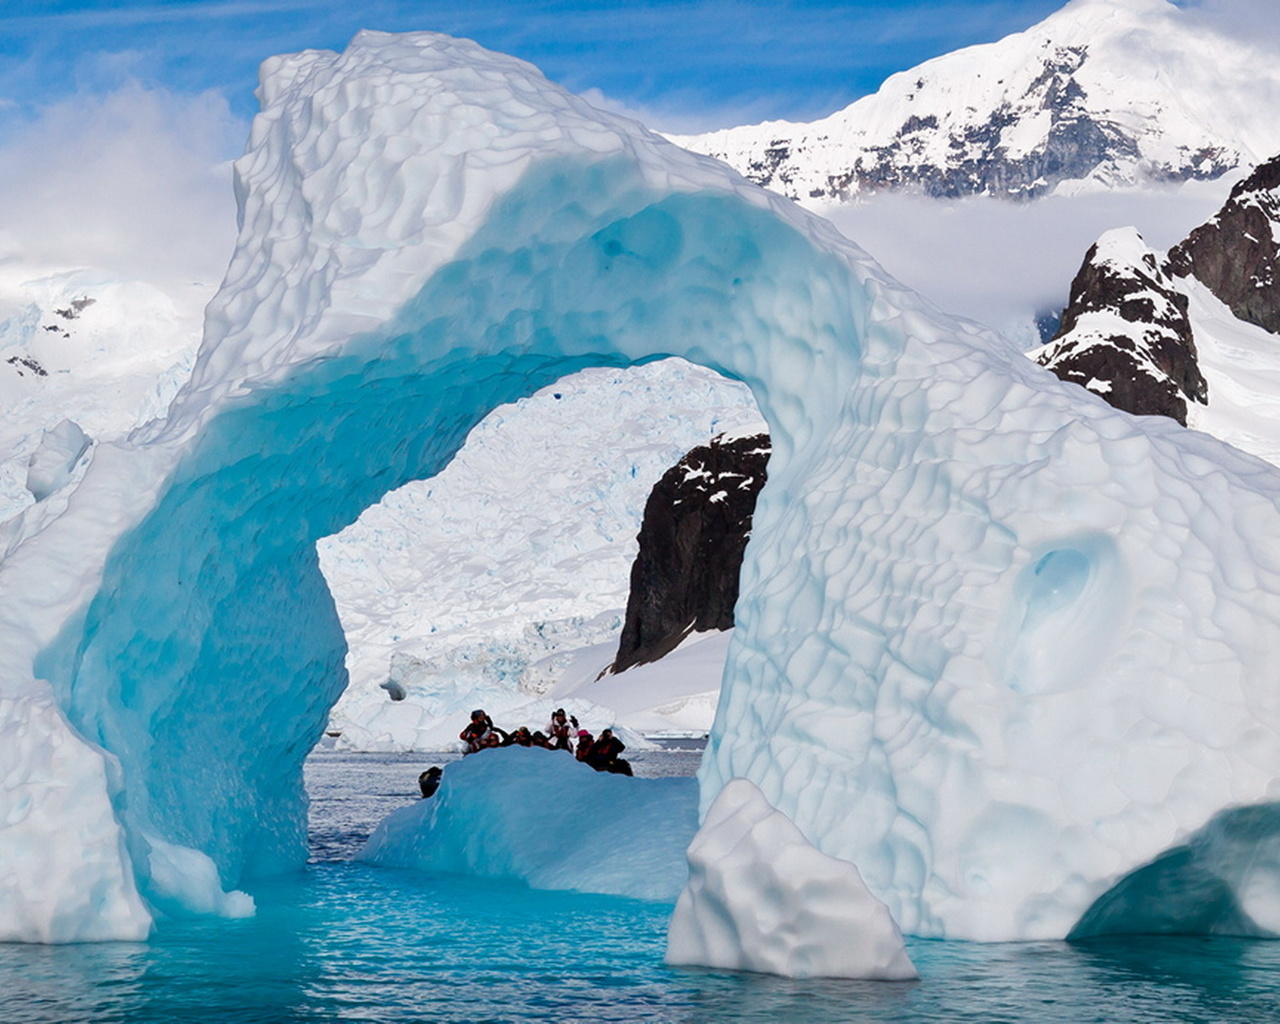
x=695 y=529
x=1125 y=333
x=1235 y=255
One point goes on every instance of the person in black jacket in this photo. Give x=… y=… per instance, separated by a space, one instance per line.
x=477 y=731
x=603 y=755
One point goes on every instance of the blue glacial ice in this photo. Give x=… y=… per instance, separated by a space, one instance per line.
x=542 y=817
x=998 y=645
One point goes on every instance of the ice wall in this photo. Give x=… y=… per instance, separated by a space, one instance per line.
x=997 y=645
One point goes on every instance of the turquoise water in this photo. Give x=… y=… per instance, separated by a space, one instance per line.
x=343 y=941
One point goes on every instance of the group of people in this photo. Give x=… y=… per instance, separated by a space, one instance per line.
x=563 y=733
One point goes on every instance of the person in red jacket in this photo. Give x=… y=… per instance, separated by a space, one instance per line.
x=561 y=730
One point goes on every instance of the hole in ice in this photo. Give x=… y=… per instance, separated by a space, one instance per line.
x=1063 y=613
x=522 y=613
x=1224 y=880
x=1059 y=578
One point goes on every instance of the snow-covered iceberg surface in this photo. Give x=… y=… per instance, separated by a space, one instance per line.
x=997 y=645
x=544 y=818
x=760 y=898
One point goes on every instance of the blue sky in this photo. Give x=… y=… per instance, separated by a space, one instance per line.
x=118 y=120
x=684 y=64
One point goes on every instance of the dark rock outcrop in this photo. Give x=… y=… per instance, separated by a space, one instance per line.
x=695 y=529
x=1235 y=255
x=1125 y=334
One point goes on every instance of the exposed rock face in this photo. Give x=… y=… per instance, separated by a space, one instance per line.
x=1125 y=334
x=695 y=529
x=1235 y=255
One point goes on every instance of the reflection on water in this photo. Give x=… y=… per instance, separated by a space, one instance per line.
x=349 y=942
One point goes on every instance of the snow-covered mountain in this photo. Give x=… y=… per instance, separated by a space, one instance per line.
x=1101 y=94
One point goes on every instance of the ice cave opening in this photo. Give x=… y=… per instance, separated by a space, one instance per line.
x=211 y=654
x=582 y=550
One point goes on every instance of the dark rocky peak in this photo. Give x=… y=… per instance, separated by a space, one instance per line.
x=1055 y=86
x=1125 y=334
x=1235 y=254
x=695 y=529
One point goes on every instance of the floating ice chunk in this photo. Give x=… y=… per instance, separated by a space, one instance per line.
x=542 y=817
x=761 y=898
x=186 y=881
x=64 y=876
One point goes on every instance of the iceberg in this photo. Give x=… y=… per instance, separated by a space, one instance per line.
x=544 y=818
x=998 y=645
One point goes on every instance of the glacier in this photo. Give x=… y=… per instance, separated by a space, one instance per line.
x=998 y=646
x=518 y=556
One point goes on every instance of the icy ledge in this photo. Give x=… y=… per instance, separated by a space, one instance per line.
x=761 y=898
x=542 y=817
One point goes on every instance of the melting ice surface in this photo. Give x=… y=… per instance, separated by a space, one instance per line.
x=542 y=817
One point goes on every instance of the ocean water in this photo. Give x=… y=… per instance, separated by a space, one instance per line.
x=345 y=942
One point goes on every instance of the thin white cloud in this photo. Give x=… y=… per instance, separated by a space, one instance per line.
x=135 y=181
x=1000 y=263
x=1253 y=21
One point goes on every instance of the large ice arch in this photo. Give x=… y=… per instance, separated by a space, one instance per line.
x=998 y=644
